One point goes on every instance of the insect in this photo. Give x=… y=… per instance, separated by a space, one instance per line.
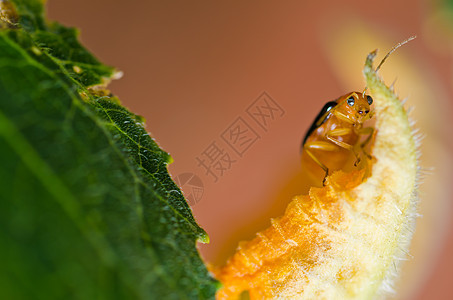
x=321 y=248
x=337 y=131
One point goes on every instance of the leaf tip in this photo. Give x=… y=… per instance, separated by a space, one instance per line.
x=203 y=238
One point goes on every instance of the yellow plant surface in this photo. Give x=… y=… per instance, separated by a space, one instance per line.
x=345 y=240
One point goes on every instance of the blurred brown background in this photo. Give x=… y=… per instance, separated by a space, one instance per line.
x=194 y=69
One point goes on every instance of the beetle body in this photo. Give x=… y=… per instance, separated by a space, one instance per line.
x=335 y=137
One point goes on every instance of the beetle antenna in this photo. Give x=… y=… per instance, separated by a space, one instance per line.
x=388 y=54
x=393 y=50
x=363 y=93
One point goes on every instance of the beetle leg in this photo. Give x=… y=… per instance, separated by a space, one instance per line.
x=321 y=146
x=343 y=117
x=370 y=131
x=341 y=132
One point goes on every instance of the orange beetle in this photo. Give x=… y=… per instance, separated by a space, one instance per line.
x=335 y=134
x=336 y=131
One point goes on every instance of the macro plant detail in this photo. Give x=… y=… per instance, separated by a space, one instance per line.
x=346 y=239
x=88 y=209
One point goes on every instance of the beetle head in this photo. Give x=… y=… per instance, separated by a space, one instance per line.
x=356 y=106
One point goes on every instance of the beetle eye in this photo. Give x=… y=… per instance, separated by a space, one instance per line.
x=370 y=100
x=351 y=101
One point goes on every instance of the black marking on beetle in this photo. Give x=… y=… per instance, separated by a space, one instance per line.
x=322 y=117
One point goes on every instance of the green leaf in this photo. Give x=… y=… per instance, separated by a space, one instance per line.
x=87 y=207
